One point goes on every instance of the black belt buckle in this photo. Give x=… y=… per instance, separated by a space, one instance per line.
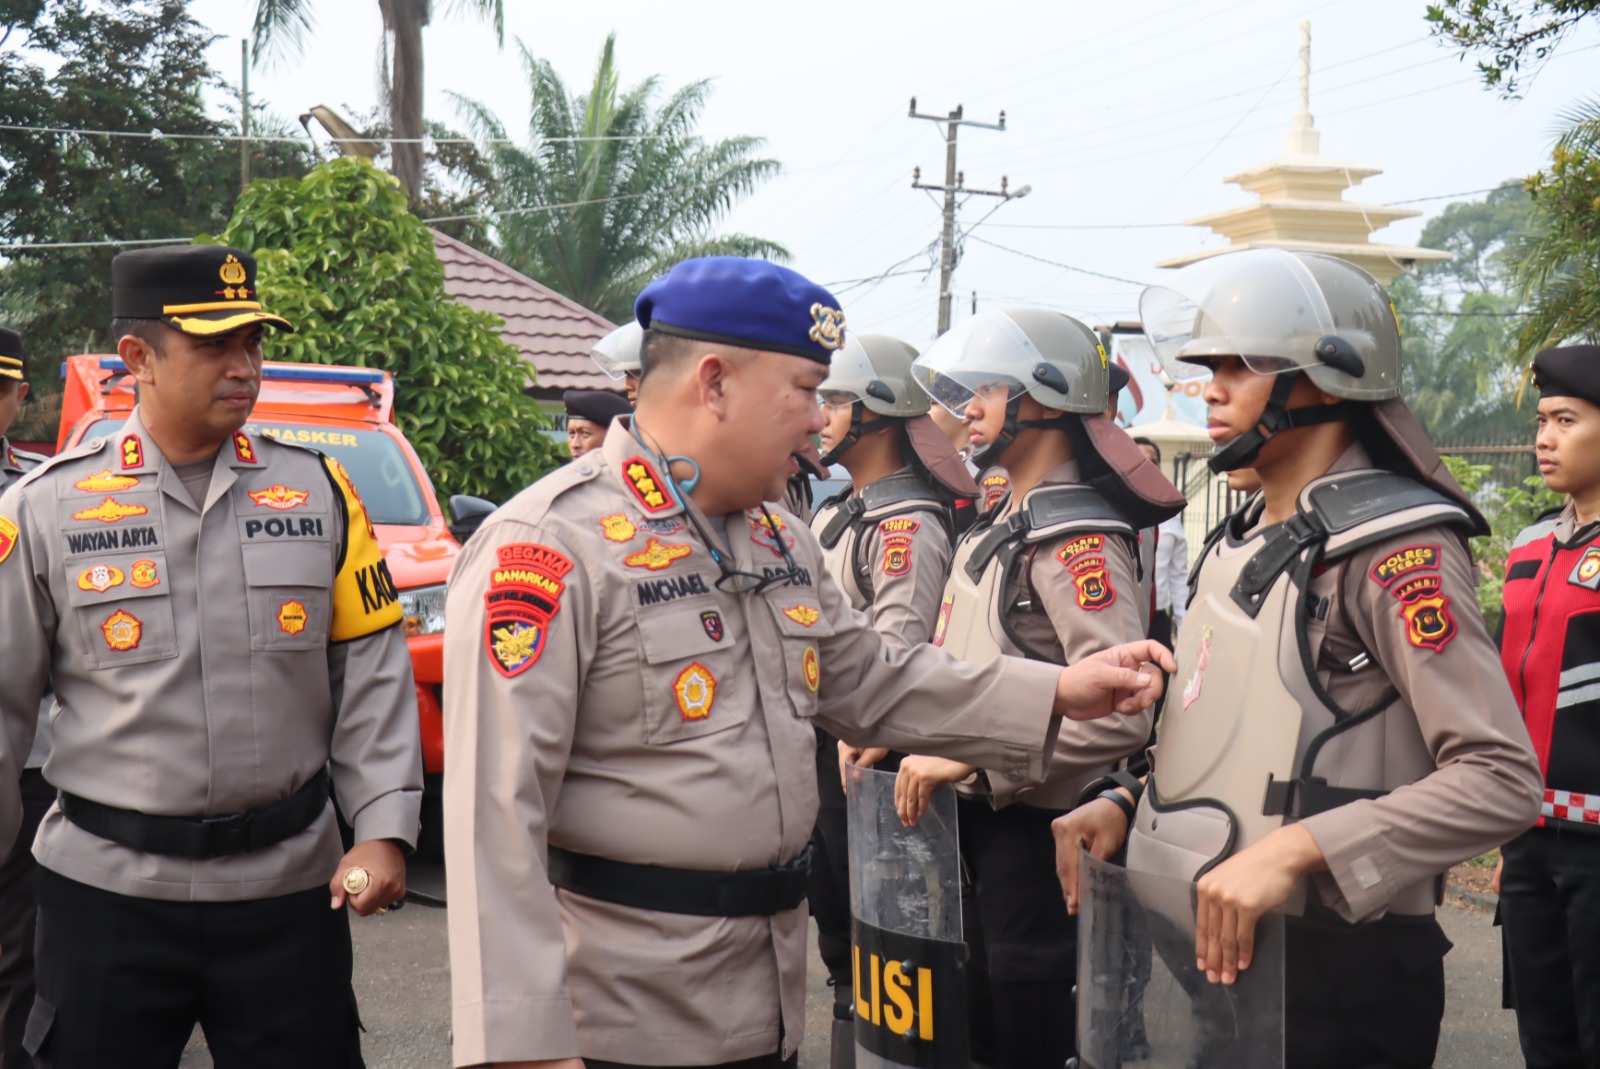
x=231 y=834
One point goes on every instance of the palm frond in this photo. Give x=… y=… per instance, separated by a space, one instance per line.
x=281 y=28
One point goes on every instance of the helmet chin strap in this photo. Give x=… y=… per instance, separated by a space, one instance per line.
x=991 y=454
x=853 y=435
x=1275 y=418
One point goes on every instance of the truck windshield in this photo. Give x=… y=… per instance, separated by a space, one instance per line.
x=382 y=475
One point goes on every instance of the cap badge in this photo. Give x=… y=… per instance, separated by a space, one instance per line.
x=233 y=276
x=827 y=326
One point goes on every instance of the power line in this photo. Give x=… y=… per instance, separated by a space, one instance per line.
x=1057 y=263
x=157 y=134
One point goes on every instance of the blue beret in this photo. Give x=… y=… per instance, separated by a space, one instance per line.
x=753 y=304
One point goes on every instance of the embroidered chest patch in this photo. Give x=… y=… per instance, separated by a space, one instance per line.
x=810 y=669
x=766 y=530
x=617 y=528
x=656 y=556
x=122 y=630
x=524 y=593
x=694 y=690
x=1587 y=571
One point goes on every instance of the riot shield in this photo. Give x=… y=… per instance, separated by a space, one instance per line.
x=905 y=905
x=1141 y=1001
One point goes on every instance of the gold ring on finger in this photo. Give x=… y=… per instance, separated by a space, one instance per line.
x=356 y=880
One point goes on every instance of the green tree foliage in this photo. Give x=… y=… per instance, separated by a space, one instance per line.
x=342 y=258
x=1508 y=34
x=283 y=26
x=1458 y=320
x=1509 y=509
x=127 y=65
x=610 y=192
x=1559 y=265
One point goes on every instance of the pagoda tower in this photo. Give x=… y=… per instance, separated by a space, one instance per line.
x=1300 y=203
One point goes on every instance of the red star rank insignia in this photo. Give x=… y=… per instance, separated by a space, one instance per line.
x=524 y=593
x=1426 y=611
x=132 y=452
x=1095 y=591
x=695 y=689
x=243 y=448
x=645 y=484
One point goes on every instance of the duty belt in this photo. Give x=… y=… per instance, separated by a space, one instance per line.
x=760 y=893
x=202 y=838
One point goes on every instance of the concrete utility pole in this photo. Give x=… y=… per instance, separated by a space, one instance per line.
x=955 y=182
x=244 y=115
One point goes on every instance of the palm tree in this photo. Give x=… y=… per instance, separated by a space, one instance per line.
x=285 y=24
x=1559 y=264
x=608 y=192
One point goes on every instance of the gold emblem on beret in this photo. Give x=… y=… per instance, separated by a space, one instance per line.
x=827 y=327
x=356 y=880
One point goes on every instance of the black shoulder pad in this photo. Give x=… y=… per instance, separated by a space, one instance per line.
x=1050 y=506
x=895 y=490
x=1344 y=502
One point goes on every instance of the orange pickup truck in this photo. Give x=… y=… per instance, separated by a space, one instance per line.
x=347 y=413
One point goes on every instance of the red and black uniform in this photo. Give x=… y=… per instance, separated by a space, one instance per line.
x=1550 y=889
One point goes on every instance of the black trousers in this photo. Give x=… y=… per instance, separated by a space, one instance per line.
x=17 y=922
x=1022 y=943
x=1363 y=996
x=123 y=981
x=768 y=1061
x=828 y=885
x=1550 y=924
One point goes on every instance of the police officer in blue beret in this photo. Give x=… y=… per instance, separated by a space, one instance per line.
x=637 y=650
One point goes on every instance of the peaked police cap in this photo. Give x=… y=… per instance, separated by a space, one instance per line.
x=197 y=289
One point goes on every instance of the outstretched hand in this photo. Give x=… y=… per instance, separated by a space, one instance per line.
x=1100 y=827
x=1122 y=679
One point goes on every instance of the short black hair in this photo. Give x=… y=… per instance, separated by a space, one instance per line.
x=153 y=332
x=660 y=353
x=1152 y=445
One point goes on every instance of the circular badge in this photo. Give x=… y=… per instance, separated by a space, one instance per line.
x=809 y=666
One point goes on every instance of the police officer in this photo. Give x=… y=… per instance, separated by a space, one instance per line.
x=617 y=354
x=589 y=416
x=638 y=648
x=16 y=873
x=1550 y=878
x=1337 y=735
x=886 y=541
x=1050 y=573
x=221 y=633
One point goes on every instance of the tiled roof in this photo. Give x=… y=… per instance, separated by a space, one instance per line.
x=553 y=333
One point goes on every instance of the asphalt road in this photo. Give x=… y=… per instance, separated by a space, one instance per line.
x=403 y=982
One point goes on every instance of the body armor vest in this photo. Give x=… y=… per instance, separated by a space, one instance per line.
x=1550 y=649
x=841 y=519
x=1247 y=715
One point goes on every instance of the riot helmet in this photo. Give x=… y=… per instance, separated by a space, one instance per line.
x=617 y=354
x=1036 y=352
x=1284 y=314
x=872 y=372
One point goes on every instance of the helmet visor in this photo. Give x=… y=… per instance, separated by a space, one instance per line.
x=988 y=356
x=1262 y=305
x=849 y=371
x=617 y=353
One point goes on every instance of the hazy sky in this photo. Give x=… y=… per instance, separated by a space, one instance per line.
x=1119 y=115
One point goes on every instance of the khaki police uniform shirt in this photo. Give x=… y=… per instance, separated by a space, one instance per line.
x=907 y=557
x=206 y=660
x=602 y=695
x=1060 y=610
x=14 y=464
x=1453 y=745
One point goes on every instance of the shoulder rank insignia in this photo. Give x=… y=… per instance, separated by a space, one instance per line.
x=810 y=669
x=1095 y=591
x=1426 y=610
x=104 y=483
x=1402 y=561
x=524 y=593
x=645 y=484
x=617 y=528
x=243 y=448
x=695 y=689
x=804 y=615
x=132 y=452
x=8 y=537
x=656 y=556
x=122 y=630
x=110 y=511
x=280 y=497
